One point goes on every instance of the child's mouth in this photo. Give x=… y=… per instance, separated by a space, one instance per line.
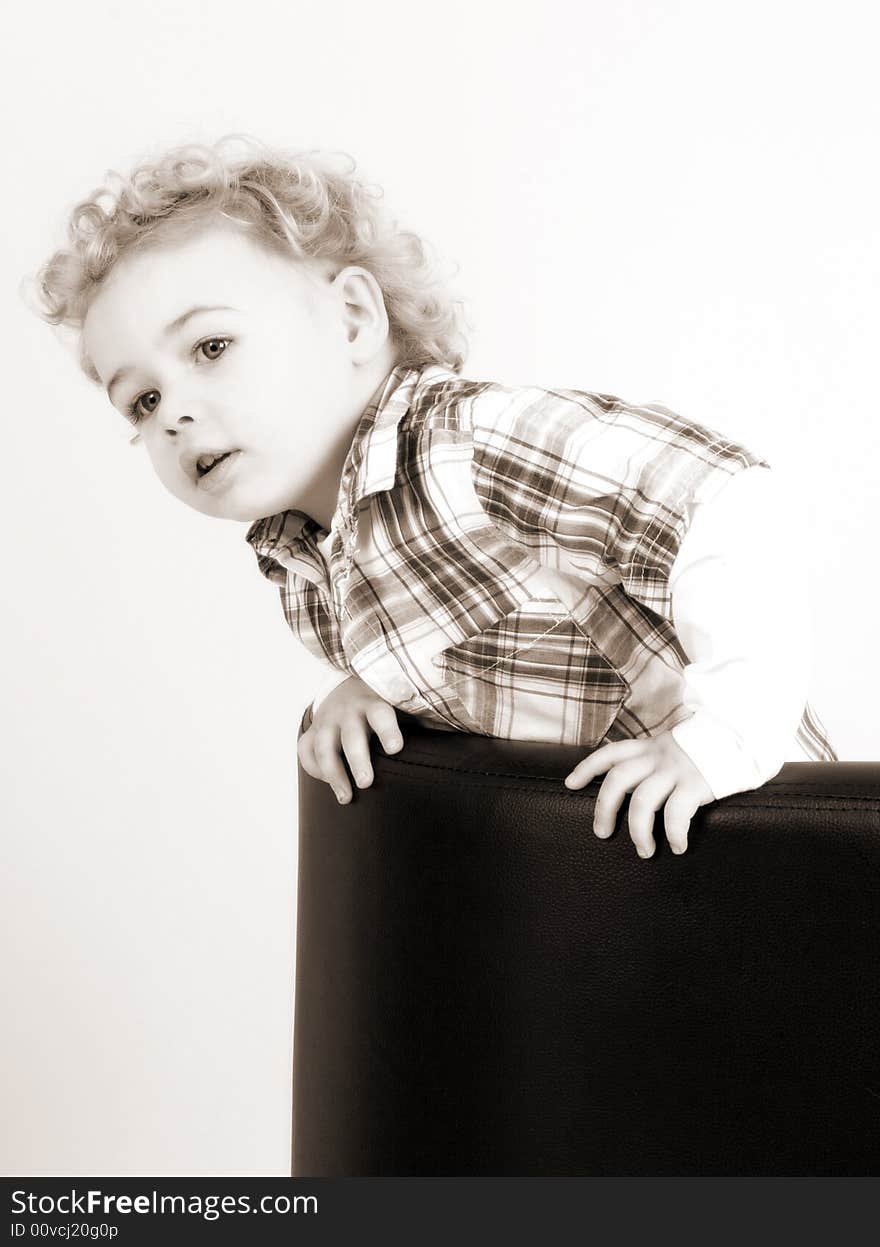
x=212 y=464
x=217 y=473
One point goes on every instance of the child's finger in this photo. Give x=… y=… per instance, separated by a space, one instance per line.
x=601 y=759
x=619 y=780
x=305 y=751
x=329 y=759
x=643 y=806
x=677 y=815
x=356 y=744
x=382 y=718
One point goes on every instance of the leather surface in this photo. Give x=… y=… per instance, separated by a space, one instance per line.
x=485 y=988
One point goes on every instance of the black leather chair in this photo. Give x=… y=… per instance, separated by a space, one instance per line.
x=485 y=988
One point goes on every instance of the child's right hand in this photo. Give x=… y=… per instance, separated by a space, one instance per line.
x=344 y=718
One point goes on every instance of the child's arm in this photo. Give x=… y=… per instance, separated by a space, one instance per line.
x=332 y=679
x=342 y=724
x=740 y=605
x=738 y=592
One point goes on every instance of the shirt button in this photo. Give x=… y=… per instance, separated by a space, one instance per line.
x=401 y=690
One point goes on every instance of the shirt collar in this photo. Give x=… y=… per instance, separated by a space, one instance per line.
x=289 y=537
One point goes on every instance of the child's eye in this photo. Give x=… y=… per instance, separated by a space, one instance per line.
x=218 y=344
x=212 y=348
x=134 y=411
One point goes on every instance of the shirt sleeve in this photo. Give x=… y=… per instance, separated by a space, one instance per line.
x=591 y=484
x=740 y=611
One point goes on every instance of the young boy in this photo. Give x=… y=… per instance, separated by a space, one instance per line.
x=518 y=562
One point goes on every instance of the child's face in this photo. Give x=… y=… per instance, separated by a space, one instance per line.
x=272 y=372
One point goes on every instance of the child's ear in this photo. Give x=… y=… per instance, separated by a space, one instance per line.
x=364 y=314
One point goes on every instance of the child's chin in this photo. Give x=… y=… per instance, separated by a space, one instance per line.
x=229 y=511
x=217 y=508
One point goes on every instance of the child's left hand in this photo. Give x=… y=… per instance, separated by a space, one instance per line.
x=655 y=770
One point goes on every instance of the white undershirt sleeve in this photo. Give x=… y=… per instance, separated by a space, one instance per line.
x=740 y=606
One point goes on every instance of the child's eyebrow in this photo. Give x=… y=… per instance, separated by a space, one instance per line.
x=171 y=328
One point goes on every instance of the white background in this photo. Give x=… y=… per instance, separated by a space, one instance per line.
x=673 y=202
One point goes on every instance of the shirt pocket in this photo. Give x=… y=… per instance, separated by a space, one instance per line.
x=535 y=673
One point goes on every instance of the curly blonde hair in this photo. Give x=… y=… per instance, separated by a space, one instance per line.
x=295 y=202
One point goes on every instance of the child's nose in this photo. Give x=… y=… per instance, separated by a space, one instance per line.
x=178 y=415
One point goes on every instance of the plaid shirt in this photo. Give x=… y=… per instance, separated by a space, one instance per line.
x=499 y=560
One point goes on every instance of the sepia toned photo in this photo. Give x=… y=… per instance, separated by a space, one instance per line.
x=440 y=600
